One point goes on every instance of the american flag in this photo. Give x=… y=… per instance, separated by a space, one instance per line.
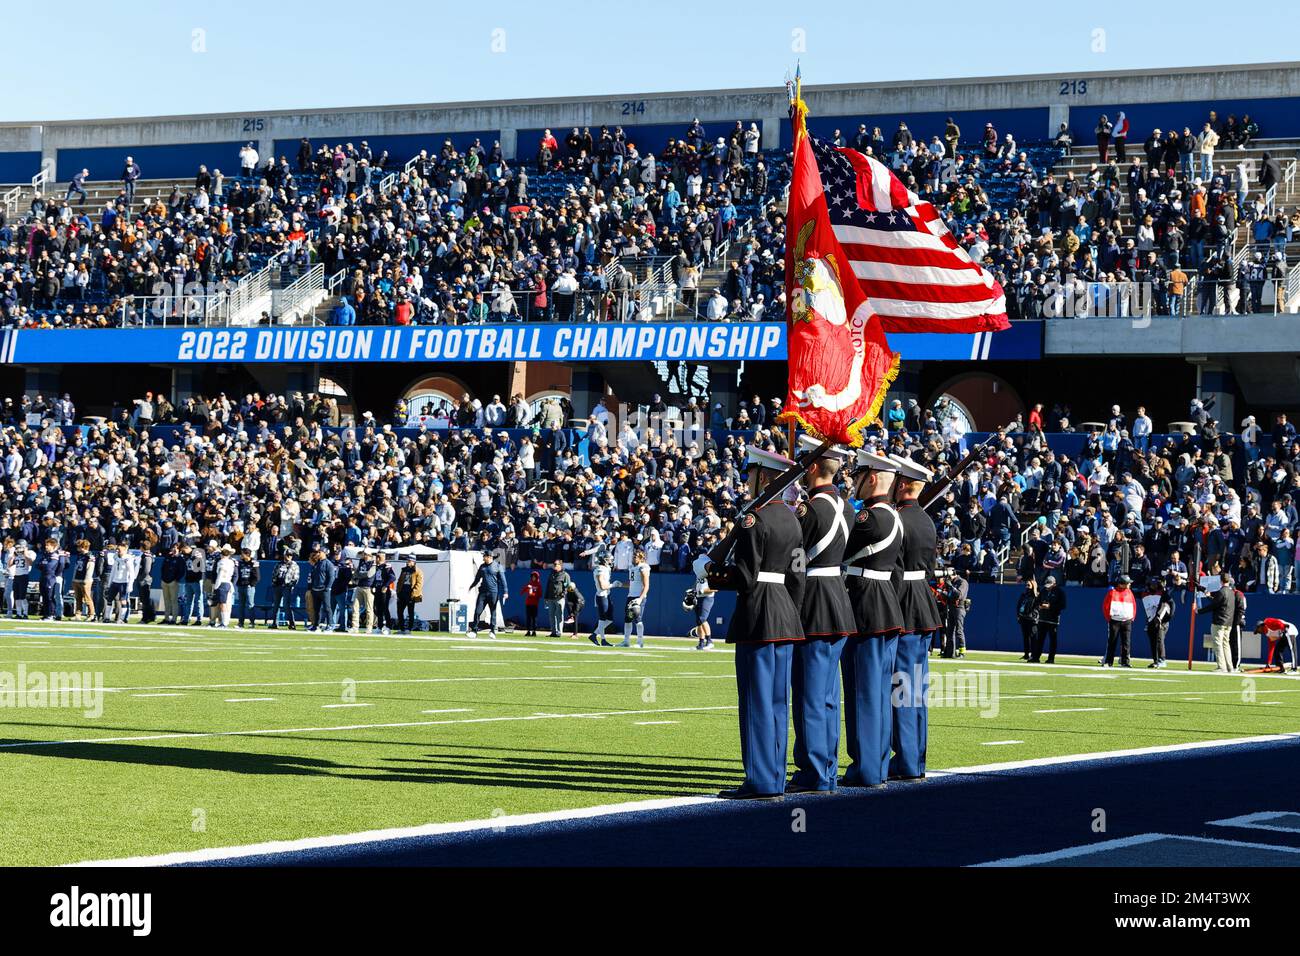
x=914 y=274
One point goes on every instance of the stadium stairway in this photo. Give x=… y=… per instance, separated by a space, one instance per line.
x=100 y=193
x=1082 y=158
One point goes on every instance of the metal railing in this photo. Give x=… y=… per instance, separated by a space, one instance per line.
x=40 y=179
x=218 y=306
x=296 y=302
x=10 y=200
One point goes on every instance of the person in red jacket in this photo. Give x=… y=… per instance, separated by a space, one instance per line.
x=1119 y=608
x=532 y=592
x=1277 y=631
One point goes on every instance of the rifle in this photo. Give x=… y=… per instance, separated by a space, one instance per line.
x=718 y=553
x=935 y=490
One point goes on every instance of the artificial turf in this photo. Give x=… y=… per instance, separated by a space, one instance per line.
x=435 y=728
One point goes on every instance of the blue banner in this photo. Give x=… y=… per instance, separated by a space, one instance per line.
x=594 y=342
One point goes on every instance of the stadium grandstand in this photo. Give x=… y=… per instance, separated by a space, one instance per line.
x=294 y=351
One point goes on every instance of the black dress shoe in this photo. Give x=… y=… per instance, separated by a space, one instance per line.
x=793 y=787
x=739 y=793
x=901 y=779
x=855 y=785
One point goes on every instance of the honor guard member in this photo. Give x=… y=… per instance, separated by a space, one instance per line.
x=827 y=617
x=764 y=628
x=920 y=621
x=867 y=664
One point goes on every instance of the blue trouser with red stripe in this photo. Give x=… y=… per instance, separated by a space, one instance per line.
x=912 y=678
x=763 y=691
x=868 y=670
x=814 y=681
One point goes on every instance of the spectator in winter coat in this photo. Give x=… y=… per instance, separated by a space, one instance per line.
x=532 y=593
x=1119 y=609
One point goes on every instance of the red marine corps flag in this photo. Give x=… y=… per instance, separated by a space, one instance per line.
x=864 y=256
x=840 y=365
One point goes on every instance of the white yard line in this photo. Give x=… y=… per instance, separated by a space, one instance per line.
x=403 y=680
x=1071 y=710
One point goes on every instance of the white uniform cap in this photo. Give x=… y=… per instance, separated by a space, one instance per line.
x=911 y=470
x=766 y=459
x=809 y=444
x=873 y=462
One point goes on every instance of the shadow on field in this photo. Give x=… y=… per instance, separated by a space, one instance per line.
x=186 y=758
x=558 y=772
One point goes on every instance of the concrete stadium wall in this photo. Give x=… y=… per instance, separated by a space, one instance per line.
x=1267 y=91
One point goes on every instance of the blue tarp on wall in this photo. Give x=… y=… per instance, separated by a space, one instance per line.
x=647 y=137
x=179 y=162
x=1276 y=116
x=19 y=167
x=1026 y=125
x=400 y=146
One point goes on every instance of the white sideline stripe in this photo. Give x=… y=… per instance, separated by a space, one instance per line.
x=653 y=723
x=157 y=695
x=196 y=735
x=434 y=829
x=327 y=706
x=245 y=700
x=1088 y=849
x=1256 y=821
x=400 y=833
x=1157 y=680
x=1111 y=754
x=347 y=640
x=1070 y=710
x=1000 y=743
x=450 y=710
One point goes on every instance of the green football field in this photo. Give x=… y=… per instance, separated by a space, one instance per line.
x=222 y=738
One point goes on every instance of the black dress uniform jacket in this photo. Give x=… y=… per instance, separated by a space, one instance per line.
x=765 y=611
x=915 y=599
x=822 y=599
x=875 y=543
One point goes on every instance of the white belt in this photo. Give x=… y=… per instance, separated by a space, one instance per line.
x=913 y=575
x=832 y=572
x=869 y=573
x=771 y=577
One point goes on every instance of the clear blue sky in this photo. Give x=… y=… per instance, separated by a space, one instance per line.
x=138 y=58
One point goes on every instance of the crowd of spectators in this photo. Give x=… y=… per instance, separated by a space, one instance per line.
x=463 y=235
x=1131 y=503
x=283 y=472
